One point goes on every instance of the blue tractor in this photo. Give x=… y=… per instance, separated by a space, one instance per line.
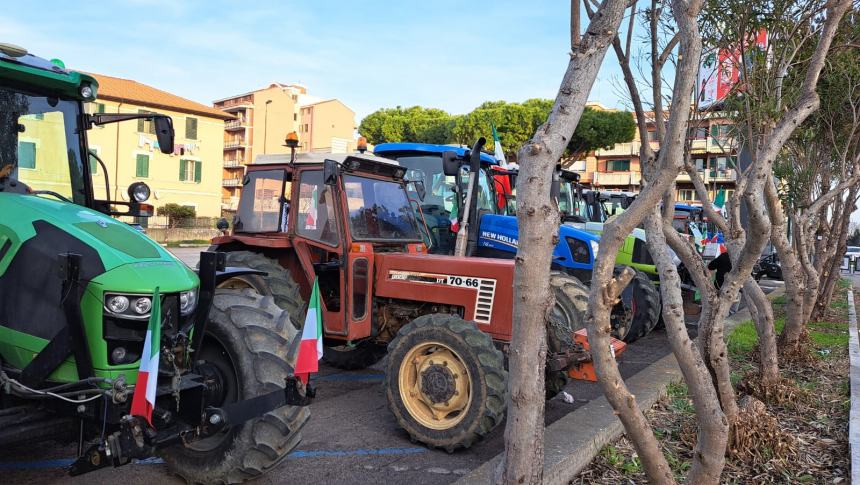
x=440 y=176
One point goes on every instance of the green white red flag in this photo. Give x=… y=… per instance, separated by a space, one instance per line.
x=311 y=345
x=499 y=153
x=147 y=376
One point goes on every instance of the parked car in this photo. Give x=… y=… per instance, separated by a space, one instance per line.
x=768 y=266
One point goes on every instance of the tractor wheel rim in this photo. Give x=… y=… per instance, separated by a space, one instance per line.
x=435 y=385
x=238 y=283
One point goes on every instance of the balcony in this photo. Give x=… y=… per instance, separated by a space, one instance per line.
x=235 y=125
x=708 y=176
x=617 y=178
x=232 y=182
x=229 y=145
x=236 y=104
x=620 y=150
x=230 y=203
x=233 y=163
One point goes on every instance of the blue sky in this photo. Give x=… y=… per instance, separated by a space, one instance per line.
x=446 y=54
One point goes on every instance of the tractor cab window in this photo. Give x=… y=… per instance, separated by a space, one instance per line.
x=379 y=210
x=39 y=144
x=315 y=218
x=264 y=205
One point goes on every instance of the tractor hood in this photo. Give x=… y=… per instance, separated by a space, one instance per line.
x=115 y=242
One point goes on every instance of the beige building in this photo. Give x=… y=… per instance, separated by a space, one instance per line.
x=190 y=176
x=713 y=150
x=265 y=116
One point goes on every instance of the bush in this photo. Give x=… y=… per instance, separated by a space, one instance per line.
x=176 y=214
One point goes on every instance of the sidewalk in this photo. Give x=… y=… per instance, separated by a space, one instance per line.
x=574 y=440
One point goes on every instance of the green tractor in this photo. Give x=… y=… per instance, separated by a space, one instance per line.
x=85 y=298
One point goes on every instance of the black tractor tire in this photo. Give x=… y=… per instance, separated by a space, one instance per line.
x=474 y=352
x=247 y=340
x=278 y=282
x=645 y=307
x=566 y=317
x=359 y=356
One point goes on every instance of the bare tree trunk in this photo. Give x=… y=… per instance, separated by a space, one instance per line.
x=605 y=289
x=792 y=274
x=538 y=220
x=762 y=313
x=713 y=432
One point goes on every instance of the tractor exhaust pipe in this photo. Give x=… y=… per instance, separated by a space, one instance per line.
x=467 y=237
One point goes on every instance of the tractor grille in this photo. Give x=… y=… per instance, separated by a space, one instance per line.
x=484 y=301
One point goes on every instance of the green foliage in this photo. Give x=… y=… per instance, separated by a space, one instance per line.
x=416 y=124
x=619 y=461
x=601 y=129
x=176 y=214
x=515 y=124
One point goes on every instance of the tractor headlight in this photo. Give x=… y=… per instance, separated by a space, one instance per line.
x=594 y=247
x=139 y=192
x=187 y=301
x=117 y=304
x=128 y=306
x=142 y=305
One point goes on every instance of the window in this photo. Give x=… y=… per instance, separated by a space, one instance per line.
x=316 y=209
x=260 y=208
x=618 y=165
x=306 y=127
x=578 y=166
x=698 y=132
x=190 y=171
x=142 y=166
x=145 y=126
x=378 y=210
x=720 y=131
x=700 y=164
x=191 y=128
x=686 y=194
x=652 y=136
x=295 y=116
x=26 y=155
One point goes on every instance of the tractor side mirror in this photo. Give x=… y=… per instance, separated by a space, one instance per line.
x=450 y=163
x=222 y=224
x=420 y=189
x=164 y=132
x=555 y=188
x=330 y=172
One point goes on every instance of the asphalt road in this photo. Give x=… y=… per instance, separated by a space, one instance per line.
x=351 y=437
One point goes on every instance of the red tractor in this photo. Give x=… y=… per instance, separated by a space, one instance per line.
x=445 y=322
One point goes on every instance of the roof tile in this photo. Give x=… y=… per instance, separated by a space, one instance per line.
x=127 y=90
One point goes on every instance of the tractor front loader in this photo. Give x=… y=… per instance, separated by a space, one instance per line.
x=346 y=222
x=95 y=316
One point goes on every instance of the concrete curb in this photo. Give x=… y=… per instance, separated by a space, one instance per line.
x=574 y=440
x=854 y=378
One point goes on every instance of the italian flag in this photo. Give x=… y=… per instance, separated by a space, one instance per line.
x=147 y=377
x=498 y=152
x=311 y=346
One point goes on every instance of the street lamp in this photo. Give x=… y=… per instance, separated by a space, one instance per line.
x=266 y=124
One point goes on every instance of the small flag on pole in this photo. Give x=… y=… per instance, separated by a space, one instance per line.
x=499 y=153
x=311 y=345
x=147 y=376
x=720 y=202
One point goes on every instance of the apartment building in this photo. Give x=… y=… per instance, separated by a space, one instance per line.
x=262 y=119
x=190 y=176
x=713 y=149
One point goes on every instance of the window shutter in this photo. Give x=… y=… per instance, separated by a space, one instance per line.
x=142 y=166
x=141 y=123
x=100 y=107
x=94 y=164
x=191 y=128
x=182 y=164
x=26 y=154
x=715 y=131
x=198 y=169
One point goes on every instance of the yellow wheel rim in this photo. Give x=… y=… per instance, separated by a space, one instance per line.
x=238 y=283
x=435 y=385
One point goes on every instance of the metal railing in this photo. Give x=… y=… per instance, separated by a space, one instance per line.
x=232 y=182
x=233 y=163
